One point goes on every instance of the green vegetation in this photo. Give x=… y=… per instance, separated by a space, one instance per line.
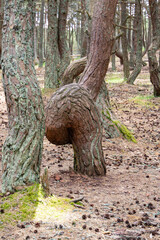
x=114 y=78
x=143 y=100
x=30 y=204
x=122 y=128
x=125 y=132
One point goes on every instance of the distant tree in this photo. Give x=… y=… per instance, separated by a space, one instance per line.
x=22 y=150
x=1 y=24
x=124 y=39
x=139 y=43
x=57 y=56
x=154 y=65
x=40 y=37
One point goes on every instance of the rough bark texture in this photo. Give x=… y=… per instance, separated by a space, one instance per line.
x=72 y=117
x=138 y=65
x=52 y=53
x=124 y=39
x=102 y=102
x=134 y=38
x=57 y=56
x=23 y=147
x=73 y=71
x=154 y=67
x=1 y=24
x=106 y=114
x=62 y=38
x=40 y=40
x=100 y=47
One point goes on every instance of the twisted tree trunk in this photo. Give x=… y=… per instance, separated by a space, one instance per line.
x=73 y=71
x=102 y=102
x=72 y=117
x=22 y=149
x=71 y=114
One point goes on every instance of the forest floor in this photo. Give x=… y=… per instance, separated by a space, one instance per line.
x=124 y=204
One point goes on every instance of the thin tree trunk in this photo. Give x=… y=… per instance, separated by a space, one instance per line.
x=41 y=35
x=62 y=38
x=83 y=21
x=57 y=57
x=1 y=25
x=134 y=38
x=124 y=39
x=22 y=149
x=154 y=67
x=138 y=65
x=52 y=65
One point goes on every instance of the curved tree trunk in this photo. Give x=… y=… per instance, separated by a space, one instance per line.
x=101 y=44
x=154 y=67
x=73 y=71
x=22 y=149
x=72 y=115
x=102 y=102
x=119 y=55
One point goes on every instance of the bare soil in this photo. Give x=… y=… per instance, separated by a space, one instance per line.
x=125 y=204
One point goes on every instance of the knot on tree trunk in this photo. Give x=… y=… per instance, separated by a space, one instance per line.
x=72 y=117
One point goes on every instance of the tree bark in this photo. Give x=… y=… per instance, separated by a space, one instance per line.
x=73 y=71
x=22 y=149
x=119 y=55
x=62 y=38
x=102 y=102
x=154 y=67
x=124 y=39
x=41 y=35
x=1 y=25
x=138 y=65
x=71 y=115
x=101 y=44
x=52 y=54
x=57 y=58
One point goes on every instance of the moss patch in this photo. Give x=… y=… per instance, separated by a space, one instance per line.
x=125 y=131
x=30 y=204
x=122 y=128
